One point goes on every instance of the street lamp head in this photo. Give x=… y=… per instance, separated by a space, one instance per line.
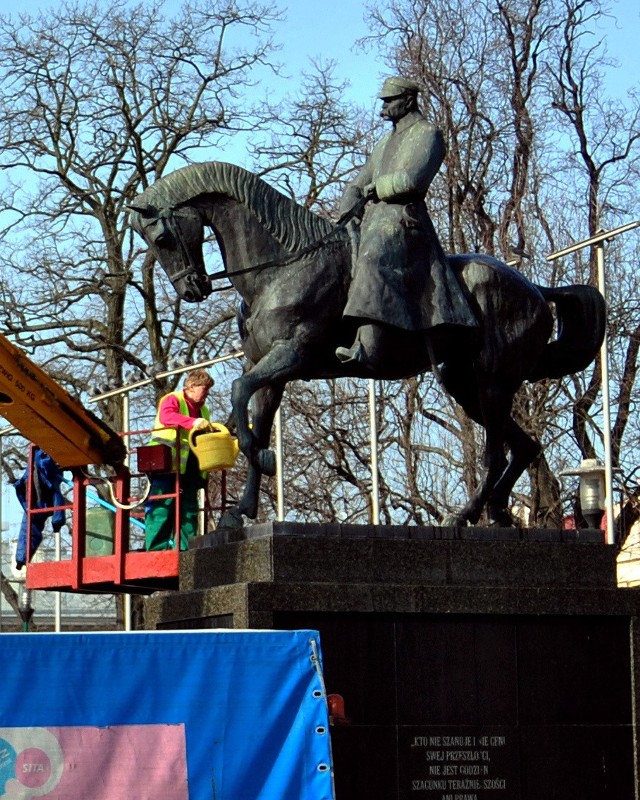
x=592 y=490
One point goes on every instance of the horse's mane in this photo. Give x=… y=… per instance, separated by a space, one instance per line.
x=291 y=224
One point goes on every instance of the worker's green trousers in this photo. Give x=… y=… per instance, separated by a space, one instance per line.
x=161 y=514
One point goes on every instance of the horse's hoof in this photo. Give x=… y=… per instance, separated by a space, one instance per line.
x=500 y=518
x=454 y=521
x=267 y=462
x=232 y=518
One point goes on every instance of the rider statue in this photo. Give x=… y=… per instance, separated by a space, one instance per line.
x=400 y=275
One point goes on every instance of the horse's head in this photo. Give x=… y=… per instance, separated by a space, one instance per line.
x=175 y=237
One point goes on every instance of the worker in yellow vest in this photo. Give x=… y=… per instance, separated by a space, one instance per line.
x=178 y=413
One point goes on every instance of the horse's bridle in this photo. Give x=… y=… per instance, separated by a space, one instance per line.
x=191 y=268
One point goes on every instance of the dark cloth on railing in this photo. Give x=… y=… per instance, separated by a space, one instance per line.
x=47 y=493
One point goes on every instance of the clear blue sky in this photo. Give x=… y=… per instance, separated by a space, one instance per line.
x=622 y=40
x=329 y=29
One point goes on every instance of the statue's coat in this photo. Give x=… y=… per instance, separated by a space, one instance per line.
x=401 y=275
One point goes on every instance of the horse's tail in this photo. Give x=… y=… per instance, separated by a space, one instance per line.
x=581 y=319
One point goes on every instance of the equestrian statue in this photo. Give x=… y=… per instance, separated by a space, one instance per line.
x=372 y=295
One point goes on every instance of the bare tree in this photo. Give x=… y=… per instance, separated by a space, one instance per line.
x=111 y=101
x=96 y=102
x=316 y=141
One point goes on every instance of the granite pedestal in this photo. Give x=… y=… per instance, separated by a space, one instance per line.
x=474 y=664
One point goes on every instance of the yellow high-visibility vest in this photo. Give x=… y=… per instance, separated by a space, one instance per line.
x=168 y=435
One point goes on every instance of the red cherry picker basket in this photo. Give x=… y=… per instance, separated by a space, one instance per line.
x=124 y=569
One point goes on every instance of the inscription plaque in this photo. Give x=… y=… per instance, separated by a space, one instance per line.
x=460 y=763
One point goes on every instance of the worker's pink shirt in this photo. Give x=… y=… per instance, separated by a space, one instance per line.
x=171 y=417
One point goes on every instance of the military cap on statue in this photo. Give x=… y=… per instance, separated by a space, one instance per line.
x=393 y=87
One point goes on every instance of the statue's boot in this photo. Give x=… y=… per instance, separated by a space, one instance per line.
x=366 y=348
x=351 y=355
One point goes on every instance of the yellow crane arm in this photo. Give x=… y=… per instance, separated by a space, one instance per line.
x=46 y=414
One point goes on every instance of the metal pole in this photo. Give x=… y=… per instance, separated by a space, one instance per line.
x=279 y=467
x=606 y=408
x=58 y=597
x=3 y=432
x=1 y=524
x=126 y=424
x=25 y=607
x=600 y=237
x=164 y=374
x=373 y=427
x=126 y=605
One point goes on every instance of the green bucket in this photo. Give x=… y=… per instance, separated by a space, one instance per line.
x=100 y=526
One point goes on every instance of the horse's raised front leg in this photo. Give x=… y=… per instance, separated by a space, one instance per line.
x=265 y=405
x=280 y=365
x=266 y=380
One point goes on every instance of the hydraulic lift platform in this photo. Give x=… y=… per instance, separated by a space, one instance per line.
x=123 y=570
x=46 y=414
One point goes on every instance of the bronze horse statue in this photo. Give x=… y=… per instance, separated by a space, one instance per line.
x=292 y=269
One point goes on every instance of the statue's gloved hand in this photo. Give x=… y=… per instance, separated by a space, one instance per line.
x=201 y=424
x=370 y=192
x=351 y=206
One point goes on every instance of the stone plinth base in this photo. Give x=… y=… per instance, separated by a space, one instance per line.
x=474 y=665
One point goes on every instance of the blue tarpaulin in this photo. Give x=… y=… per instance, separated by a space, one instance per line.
x=202 y=715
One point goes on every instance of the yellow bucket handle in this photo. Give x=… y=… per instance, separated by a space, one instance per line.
x=214 y=427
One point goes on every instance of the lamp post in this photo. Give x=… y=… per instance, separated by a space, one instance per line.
x=592 y=491
x=598 y=241
x=375 y=479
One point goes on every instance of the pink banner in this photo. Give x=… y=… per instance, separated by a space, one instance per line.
x=136 y=762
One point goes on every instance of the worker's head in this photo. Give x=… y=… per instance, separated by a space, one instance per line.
x=197 y=384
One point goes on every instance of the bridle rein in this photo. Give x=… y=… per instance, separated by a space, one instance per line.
x=193 y=270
